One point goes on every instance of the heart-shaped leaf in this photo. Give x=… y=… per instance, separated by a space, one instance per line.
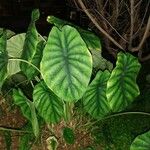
x=67 y=64
x=49 y=106
x=27 y=108
x=94 y=99
x=121 y=86
x=92 y=41
x=30 y=45
x=141 y=142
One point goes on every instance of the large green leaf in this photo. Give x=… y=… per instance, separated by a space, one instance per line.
x=67 y=64
x=141 y=142
x=27 y=108
x=3 y=58
x=14 y=49
x=121 y=87
x=49 y=106
x=30 y=44
x=92 y=41
x=94 y=99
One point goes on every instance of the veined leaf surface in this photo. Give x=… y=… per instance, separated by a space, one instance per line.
x=49 y=106
x=141 y=142
x=94 y=99
x=121 y=86
x=27 y=108
x=30 y=44
x=66 y=65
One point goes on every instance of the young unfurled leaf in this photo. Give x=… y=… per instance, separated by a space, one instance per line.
x=30 y=49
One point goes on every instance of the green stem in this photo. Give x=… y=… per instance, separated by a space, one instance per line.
x=14 y=130
x=116 y=115
x=68 y=111
x=25 y=61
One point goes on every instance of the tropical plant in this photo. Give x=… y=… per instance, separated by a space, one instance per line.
x=66 y=71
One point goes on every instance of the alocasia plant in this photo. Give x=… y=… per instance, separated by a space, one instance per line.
x=62 y=68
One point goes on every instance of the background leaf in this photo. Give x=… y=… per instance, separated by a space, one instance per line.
x=141 y=142
x=49 y=106
x=66 y=60
x=121 y=86
x=14 y=49
x=94 y=99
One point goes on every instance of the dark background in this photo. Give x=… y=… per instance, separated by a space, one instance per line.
x=15 y=14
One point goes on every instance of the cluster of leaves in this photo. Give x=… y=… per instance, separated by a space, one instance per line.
x=62 y=67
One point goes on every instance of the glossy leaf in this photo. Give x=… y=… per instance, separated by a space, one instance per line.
x=49 y=106
x=68 y=135
x=92 y=41
x=94 y=99
x=27 y=108
x=67 y=64
x=14 y=49
x=30 y=44
x=3 y=58
x=141 y=142
x=121 y=87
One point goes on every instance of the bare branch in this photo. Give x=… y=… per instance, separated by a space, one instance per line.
x=97 y=25
x=145 y=36
x=132 y=23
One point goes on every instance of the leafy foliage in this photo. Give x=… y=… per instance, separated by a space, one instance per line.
x=49 y=106
x=59 y=68
x=121 y=87
x=141 y=142
x=65 y=61
x=94 y=99
x=30 y=50
x=27 y=109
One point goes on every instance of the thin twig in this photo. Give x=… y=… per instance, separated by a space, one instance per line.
x=146 y=34
x=132 y=22
x=97 y=25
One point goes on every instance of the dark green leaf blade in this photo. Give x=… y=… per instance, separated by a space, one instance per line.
x=66 y=65
x=121 y=87
x=48 y=105
x=94 y=99
x=68 y=135
x=141 y=142
x=30 y=44
x=27 y=108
